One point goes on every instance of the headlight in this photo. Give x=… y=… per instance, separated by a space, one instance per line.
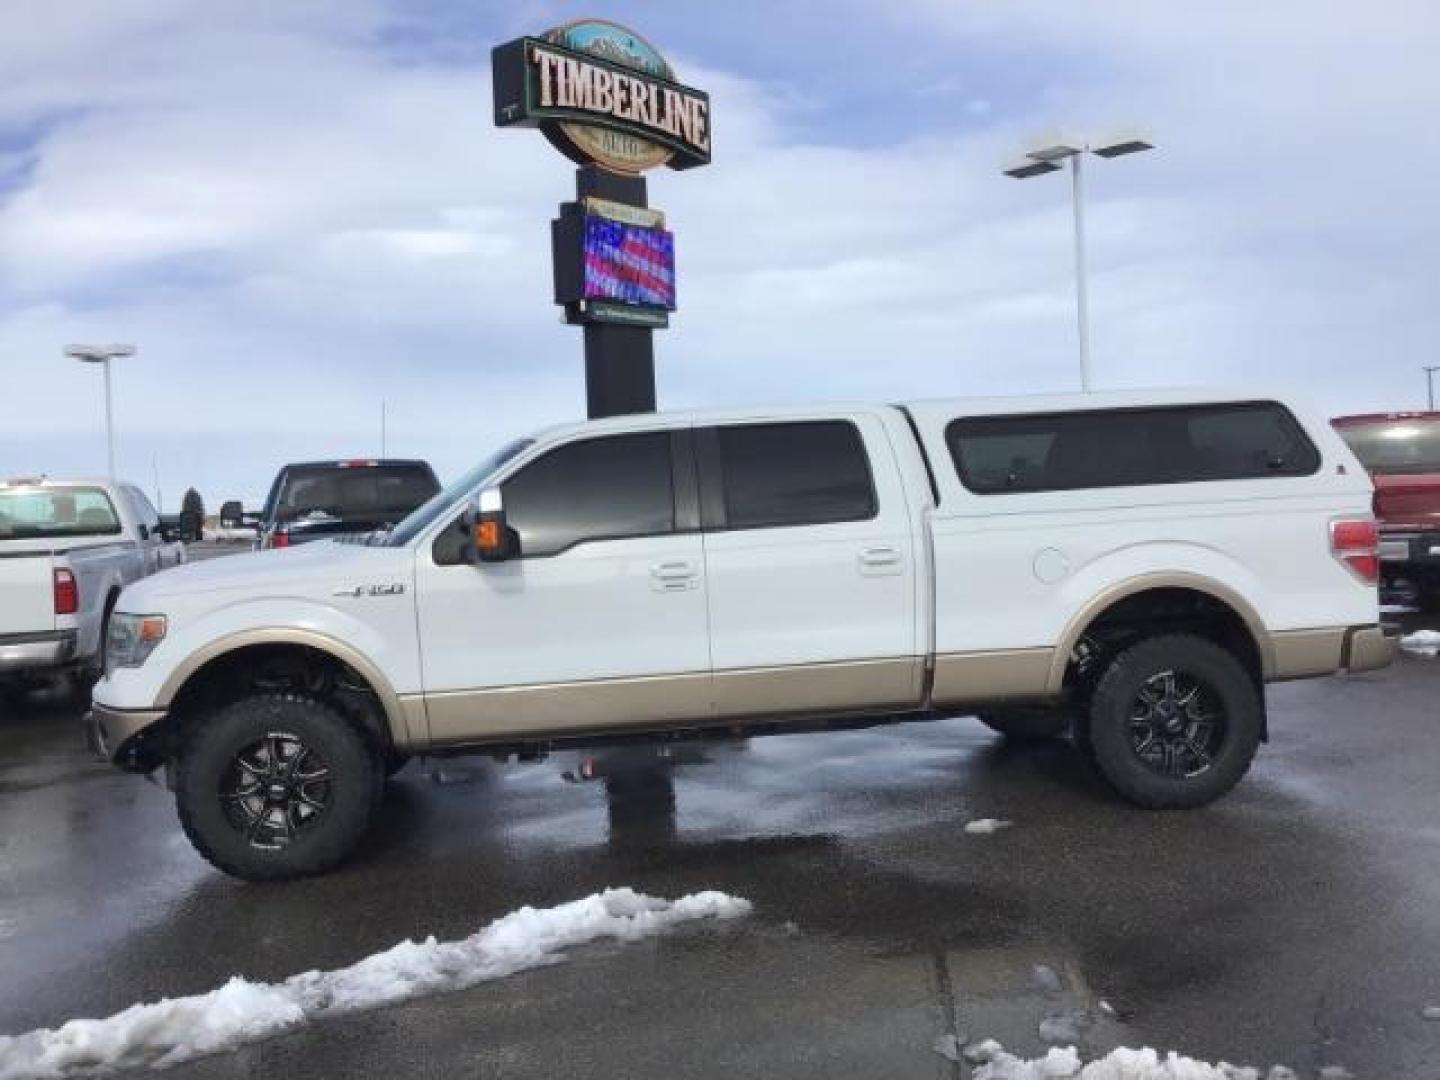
x=131 y=639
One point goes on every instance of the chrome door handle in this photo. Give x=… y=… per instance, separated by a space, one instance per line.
x=880 y=561
x=880 y=556
x=674 y=576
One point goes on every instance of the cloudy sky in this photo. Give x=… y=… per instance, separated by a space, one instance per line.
x=299 y=208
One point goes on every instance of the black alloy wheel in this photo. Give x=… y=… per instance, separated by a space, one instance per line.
x=1177 y=725
x=275 y=788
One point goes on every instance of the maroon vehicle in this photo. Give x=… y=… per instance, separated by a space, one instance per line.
x=1402 y=452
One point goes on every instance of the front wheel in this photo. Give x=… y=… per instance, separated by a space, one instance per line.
x=1174 y=722
x=278 y=785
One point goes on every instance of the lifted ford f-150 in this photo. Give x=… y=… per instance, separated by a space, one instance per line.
x=1130 y=567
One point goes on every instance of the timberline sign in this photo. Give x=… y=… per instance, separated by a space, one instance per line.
x=602 y=95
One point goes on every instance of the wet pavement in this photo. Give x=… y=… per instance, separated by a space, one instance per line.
x=1297 y=921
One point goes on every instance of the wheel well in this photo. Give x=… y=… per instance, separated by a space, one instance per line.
x=261 y=668
x=1161 y=611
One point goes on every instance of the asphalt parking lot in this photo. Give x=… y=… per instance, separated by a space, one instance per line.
x=1296 y=922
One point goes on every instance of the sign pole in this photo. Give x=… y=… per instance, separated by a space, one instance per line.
x=619 y=360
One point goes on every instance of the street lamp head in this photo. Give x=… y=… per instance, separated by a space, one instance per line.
x=1028 y=167
x=98 y=354
x=1121 y=143
x=1054 y=146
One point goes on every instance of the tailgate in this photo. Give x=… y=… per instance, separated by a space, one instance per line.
x=27 y=591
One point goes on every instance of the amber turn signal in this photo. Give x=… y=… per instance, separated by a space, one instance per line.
x=487 y=536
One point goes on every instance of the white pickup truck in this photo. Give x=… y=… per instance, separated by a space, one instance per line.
x=1130 y=567
x=67 y=549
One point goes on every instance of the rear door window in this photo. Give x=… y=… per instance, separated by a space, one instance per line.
x=805 y=473
x=1127 y=447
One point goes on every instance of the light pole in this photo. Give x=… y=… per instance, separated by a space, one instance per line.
x=1430 y=384
x=102 y=355
x=1043 y=157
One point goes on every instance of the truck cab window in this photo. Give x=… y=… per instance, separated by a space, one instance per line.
x=596 y=489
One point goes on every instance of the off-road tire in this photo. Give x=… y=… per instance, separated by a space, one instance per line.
x=1103 y=734
x=209 y=752
x=1025 y=725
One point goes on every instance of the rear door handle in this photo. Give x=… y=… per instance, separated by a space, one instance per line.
x=880 y=561
x=674 y=575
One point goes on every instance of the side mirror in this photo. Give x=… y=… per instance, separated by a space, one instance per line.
x=231 y=514
x=489 y=536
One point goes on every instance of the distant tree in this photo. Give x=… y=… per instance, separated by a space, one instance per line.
x=193 y=504
x=192 y=515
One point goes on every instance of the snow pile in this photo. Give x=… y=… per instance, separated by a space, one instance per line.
x=1121 y=1064
x=1422 y=643
x=174 y=1030
x=985 y=826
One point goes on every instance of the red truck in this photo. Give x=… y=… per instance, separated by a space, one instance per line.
x=1402 y=452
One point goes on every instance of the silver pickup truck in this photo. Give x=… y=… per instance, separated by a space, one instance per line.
x=67 y=548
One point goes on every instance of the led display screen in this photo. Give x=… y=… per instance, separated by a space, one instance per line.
x=629 y=264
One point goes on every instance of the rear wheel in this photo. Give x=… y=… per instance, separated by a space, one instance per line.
x=274 y=786
x=1027 y=725
x=1174 y=722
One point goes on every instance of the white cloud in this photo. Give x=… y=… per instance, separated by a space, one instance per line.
x=293 y=223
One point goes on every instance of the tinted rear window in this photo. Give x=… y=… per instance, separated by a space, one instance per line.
x=56 y=512
x=382 y=492
x=1124 y=447
x=809 y=473
x=1396 y=446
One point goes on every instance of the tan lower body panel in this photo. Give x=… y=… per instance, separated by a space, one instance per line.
x=850 y=686
x=524 y=712
x=554 y=709
x=1303 y=653
x=1002 y=675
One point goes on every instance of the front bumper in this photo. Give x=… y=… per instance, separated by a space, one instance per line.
x=33 y=652
x=118 y=735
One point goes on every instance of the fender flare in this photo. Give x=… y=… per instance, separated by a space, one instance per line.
x=1118 y=591
x=405 y=729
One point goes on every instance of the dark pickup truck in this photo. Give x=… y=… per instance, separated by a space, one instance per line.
x=1402 y=452
x=315 y=500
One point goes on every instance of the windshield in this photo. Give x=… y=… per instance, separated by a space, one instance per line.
x=1396 y=446
x=372 y=492
x=52 y=512
x=421 y=519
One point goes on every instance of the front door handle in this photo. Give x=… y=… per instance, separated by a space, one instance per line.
x=880 y=561
x=674 y=575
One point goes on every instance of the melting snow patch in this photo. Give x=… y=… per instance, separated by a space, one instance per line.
x=1064 y=1029
x=1422 y=643
x=1046 y=978
x=985 y=826
x=1123 y=1064
x=170 y=1031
